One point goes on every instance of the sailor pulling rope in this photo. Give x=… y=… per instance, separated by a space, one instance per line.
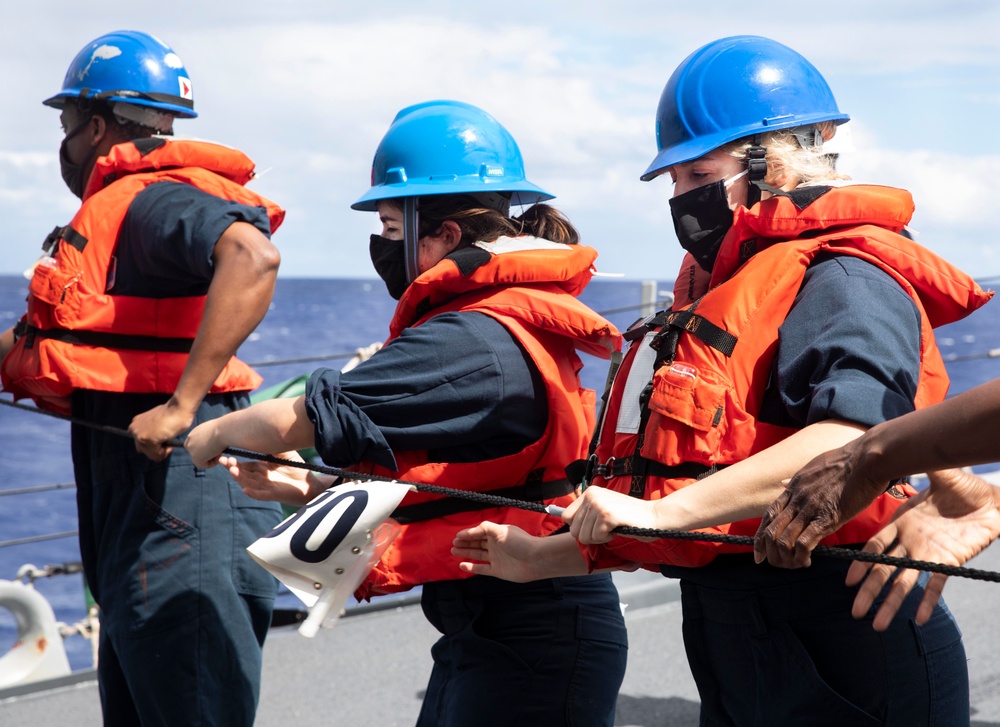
x=488 y=500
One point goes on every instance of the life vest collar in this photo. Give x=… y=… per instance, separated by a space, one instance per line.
x=523 y=260
x=159 y=153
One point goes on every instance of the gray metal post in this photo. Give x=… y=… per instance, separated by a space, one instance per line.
x=648 y=298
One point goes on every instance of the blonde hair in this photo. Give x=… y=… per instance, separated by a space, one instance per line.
x=788 y=161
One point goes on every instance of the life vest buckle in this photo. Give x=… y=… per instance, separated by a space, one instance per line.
x=51 y=239
x=604 y=469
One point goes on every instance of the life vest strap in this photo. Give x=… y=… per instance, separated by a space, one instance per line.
x=582 y=469
x=530 y=491
x=702 y=329
x=101 y=339
x=66 y=233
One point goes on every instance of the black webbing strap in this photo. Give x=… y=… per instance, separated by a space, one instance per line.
x=591 y=468
x=51 y=238
x=74 y=238
x=107 y=340
x=638 y=463
x=688 y=470
x=66 y=233
x=530 y=491
x=703 y=329
x=671 y=323
x=665 y=345
x=756 y=170
x=640 y=328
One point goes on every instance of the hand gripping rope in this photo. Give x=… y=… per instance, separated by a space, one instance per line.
x=496 y=501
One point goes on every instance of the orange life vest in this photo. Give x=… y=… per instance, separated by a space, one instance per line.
x=704 y=401
x=529 y=286
x=75 y=334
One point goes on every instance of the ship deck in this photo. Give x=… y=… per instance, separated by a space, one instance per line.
x=372 y=668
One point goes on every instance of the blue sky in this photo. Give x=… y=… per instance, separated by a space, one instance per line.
x=307 y=88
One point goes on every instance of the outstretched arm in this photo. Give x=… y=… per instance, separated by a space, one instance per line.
x=837 y=485
x=507 y=552
x=275 y=425
x=736 y=493
x=951 y=521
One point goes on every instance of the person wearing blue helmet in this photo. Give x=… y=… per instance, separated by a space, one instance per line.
x=477 y=388
x=162 y=273
x=808 y=319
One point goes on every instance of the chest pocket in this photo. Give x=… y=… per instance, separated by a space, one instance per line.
x=686 y=415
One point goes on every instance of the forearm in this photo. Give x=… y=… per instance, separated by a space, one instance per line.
x=275 y=425
x=246 y=267
x=745 y=489
x=6 y=342
x=558 y=556
x=959 y=432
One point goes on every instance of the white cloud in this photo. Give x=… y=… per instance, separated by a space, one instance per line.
x=953 y=193
x=308 y=92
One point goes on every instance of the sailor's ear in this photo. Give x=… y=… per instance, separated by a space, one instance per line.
x=450 y=235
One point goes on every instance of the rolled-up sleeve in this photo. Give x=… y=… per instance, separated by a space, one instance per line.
x=459 y=387
x=344 y=434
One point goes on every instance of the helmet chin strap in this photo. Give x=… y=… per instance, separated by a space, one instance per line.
x=808 y=137
x=411 y=237
x=756 y=170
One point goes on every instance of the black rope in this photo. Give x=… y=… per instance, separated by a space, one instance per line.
x=842 y=553
x=497 y=501
x=480 y=497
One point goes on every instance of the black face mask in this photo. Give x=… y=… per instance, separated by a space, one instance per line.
x=701 y=219
x=389 y=258
x=72 y=174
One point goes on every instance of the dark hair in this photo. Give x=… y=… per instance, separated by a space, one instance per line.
x=484 y=224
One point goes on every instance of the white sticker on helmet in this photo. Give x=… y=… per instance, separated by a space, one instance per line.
x=172 y=60
x=101 y=52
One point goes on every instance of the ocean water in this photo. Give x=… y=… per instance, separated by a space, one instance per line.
x=307 y=318
x=327 y=318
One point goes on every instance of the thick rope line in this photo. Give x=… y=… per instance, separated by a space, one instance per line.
x=481 y=497
x=842 y=553
x=497 y=501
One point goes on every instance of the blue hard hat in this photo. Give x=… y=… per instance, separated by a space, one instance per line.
x=447 y=147
x=130 y=67
x=733 y=88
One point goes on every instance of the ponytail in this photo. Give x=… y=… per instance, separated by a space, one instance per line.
x=485 y=224
x=548 y=223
